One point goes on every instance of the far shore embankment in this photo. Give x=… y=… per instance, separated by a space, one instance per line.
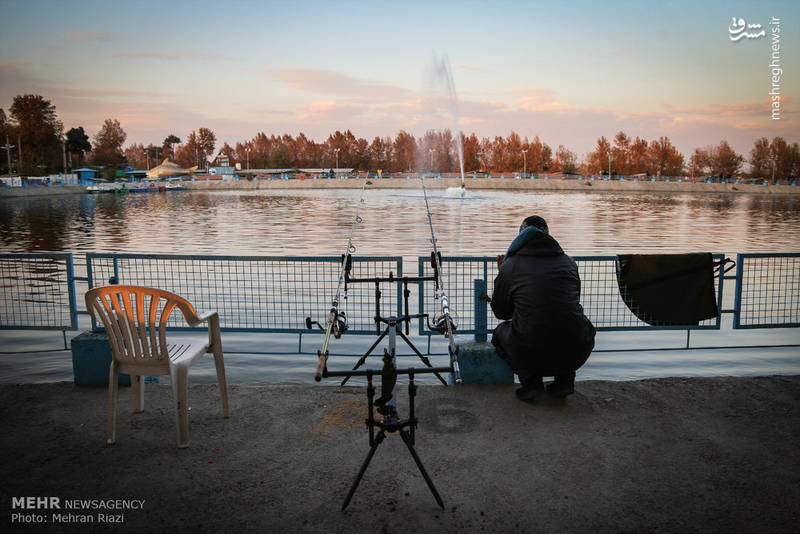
x=496 y=184
x=41 y=191
x=479 y=184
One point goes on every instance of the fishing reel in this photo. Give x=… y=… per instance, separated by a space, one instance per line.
x=340 y=325
x=440 y=324
x=337 y=320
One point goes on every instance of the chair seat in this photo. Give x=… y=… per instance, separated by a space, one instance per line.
x=182 y=353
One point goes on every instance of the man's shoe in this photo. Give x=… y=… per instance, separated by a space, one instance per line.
x=531 y=389
x=562 y=387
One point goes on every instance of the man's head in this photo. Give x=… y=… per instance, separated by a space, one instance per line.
x=534 y=220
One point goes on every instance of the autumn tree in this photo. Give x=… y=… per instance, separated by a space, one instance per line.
x=785 y=159
x=638 y=162
x=381 y=152
x=35 y=122
x=206 y=141
x=700 y=161
x=471 y=147
x=167 y=147
x=599 y=157
x=405 y=152
x=665 y=160
x=108 y=144
x=760 y=164
x=621 y=153
x=77 y=143
x=565 y=160
x=725 y=162
x=135 y=156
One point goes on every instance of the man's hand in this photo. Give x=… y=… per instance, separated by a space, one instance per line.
x=500 y=259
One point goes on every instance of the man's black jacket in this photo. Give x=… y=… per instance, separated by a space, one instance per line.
x=538 y=289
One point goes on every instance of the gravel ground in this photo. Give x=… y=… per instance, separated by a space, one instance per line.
x=666 y=455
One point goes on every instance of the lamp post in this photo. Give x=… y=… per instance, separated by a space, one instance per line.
x=247 y=151
x=774 y=158
x=609 y=165
x=336 y=152
x=525 y=163
x=7 y=147
x=431 y=151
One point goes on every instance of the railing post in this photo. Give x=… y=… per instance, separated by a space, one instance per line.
x=479 y=305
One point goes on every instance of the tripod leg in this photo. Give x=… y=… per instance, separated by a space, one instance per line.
x=378 y=440
x=424 y=359
x=407 y=441
x=363 y=359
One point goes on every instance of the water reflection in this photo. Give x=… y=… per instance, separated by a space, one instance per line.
x=317 y=222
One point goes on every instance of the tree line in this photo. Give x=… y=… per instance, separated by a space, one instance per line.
x=41 y=147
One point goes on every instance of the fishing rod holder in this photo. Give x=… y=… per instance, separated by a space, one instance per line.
x=388 y=420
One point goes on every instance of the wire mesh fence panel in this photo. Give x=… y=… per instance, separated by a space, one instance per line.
x=37 y=292
x=600 y=294
x=265 y=294
x=767 y=291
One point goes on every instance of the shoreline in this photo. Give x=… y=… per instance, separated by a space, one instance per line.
x=675 y=454
x=488 y=184
x=480 y=184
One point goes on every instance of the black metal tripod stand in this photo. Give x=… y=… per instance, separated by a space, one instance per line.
x=386 y=404
x=390 y=422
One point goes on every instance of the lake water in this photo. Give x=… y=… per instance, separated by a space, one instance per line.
x=312 y=222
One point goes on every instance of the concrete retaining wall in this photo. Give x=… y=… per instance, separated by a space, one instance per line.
x=495 y=184
x=42 y=191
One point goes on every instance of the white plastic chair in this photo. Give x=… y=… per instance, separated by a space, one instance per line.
x=135 y=320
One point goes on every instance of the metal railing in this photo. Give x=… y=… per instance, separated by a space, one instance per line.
x=255 y=293
x=276 y=294
x=767 y=291
x=37 y=292
x=600 y=295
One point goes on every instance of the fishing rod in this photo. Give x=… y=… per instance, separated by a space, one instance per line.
x=337 y=320
x=444 y=323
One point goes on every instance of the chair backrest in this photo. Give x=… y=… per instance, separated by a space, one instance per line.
x=135 y=319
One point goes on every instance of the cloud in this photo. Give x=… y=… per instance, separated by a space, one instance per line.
x=87 y=35
x=335 y=83
x=12 y=65
x=174 y=55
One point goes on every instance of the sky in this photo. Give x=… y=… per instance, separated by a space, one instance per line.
x=568 y=72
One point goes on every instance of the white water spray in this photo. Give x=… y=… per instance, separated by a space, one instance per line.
x=444 y=76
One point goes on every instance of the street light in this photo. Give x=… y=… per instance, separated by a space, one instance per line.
x=247 y=151
x=431 y=151
x=609 y=165
x=8 y=148
x=525 y=163
x=336 y=152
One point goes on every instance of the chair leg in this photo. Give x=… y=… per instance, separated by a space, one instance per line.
x=180 y=392
x=113 y=389
x=137 y=393
x=219 y=363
